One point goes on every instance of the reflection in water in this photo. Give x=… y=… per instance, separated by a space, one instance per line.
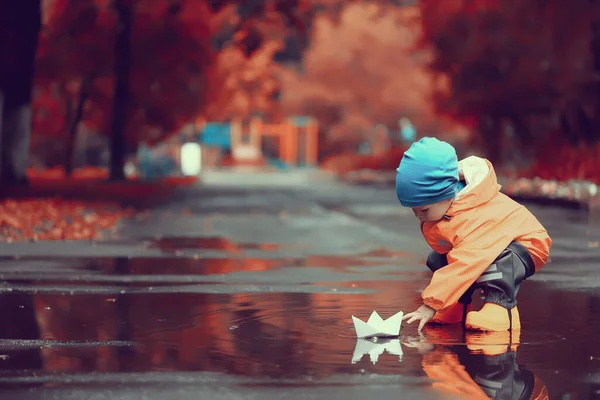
x=480 y=375
x=172 y=244
x=125 y=355
x=484 y=367
x=19 y=322
x=376 y=348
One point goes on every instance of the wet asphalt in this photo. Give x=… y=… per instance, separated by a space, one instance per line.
x=244 y=286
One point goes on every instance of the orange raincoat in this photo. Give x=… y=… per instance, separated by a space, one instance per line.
x=478 y=226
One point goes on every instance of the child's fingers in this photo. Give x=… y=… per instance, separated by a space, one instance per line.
x=407 y=316
x=414 y=318
x=410 y=315
x=410 y=318
x=422 y=324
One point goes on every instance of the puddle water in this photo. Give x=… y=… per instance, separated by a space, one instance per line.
x=295 y=324
x=226 y=249
x=178 y=273
x=172 y=244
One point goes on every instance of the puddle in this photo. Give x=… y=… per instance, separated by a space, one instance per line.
x=172 y=244
x=313 y=274
x=226 y=248
x=294 y=336
x=19 y=344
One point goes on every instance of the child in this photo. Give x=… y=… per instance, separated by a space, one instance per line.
x=480 y=237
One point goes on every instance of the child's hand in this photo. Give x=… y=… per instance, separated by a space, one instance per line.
x=423 y=313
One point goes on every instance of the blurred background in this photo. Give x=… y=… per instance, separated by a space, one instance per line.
x=121 y=86
x=155 y=93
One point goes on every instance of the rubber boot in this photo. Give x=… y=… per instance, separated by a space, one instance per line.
x=493 y=317
x=456 y=313
x=500 y=284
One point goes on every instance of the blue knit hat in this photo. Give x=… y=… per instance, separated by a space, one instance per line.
x=428 y=173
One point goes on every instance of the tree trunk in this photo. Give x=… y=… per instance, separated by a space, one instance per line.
x=69 y=112
x=20 y=23
x=595 y=50
x=84 y=93
x=118 y=142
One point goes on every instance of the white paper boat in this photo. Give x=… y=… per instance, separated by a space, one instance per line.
x=377 y=327
x=375 y=349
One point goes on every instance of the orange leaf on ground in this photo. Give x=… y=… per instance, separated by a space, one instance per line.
x=57 y=219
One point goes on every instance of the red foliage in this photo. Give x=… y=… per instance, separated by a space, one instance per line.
x=565 y=163
x=55 y=219
x=60 y=211
x=171 y=54
x=50 y=116
x=360 y=71
x=91 y=183
x=513 y=64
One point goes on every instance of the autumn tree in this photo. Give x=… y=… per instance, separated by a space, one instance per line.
x=20 y=23
x=172 y=77
x=251 y=37
x=164 y=87
x=71 y=60
x=522 y=71
x=259 y=38
x=362 y=70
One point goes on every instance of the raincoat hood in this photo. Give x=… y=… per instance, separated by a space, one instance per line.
x=482 y=185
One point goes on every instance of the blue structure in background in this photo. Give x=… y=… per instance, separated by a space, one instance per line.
x=216 y=134
x=153 y=166
x=150 y=167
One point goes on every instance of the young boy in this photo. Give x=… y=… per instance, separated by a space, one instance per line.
x=480 y=237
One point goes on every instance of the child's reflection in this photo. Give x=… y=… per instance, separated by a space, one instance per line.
x=483 y=366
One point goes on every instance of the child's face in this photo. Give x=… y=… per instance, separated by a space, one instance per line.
x=432 y=212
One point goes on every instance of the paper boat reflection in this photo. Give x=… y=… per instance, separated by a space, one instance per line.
x=377 y=326
x=375 y=348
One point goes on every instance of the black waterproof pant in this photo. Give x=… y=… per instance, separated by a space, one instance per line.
x=501 y=280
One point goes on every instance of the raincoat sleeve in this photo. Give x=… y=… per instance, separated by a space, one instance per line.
x=466 y=262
